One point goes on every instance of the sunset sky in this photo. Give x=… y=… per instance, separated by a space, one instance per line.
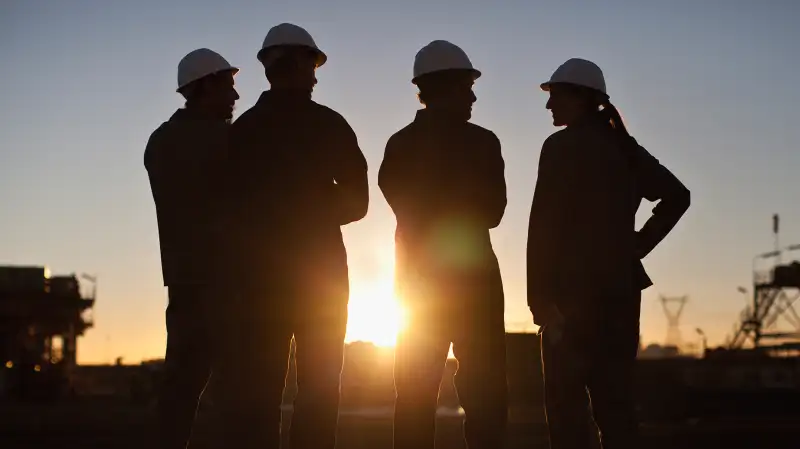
x=709 y=87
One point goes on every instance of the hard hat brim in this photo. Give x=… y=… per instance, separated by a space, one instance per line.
x=548 y=85
x=233 y=70
x=322 y=58
x=475 y=74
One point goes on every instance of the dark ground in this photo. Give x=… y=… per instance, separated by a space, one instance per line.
x=100 y=426
x=734 y=413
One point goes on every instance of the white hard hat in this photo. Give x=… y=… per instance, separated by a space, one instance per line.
x=579 y=72
x=441 y=55
x=199 y=64
x=287 y=34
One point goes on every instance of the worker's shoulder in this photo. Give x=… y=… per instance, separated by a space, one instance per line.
x=402 y=136
x=164 y=129
x=246 y=118
x=480 y=131
x=482 y=135
x=177 y=130
x=561 y=137
x=641 y=153
x=328 y=116
x=156 y=143
x=162 y=136
x=184 y=137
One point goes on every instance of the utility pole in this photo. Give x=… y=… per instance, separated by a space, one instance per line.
x=673 y=309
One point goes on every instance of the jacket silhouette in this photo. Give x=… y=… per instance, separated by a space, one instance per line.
x=297 y=176
x=581 y=233
x=183 y=158
x=444 y=180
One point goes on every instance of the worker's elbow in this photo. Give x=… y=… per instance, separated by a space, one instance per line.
x=362 y=200
x=495 y=220
x=356 y=210
x=496 y=216
x=387 y=179
x=361 y=208
x=684 y=199
x=383 y=185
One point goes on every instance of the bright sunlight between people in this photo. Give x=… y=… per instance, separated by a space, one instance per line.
x=375 y=314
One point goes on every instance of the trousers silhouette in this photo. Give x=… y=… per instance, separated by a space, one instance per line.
x=478 y=338
x=250 y=379
x=595 y=355
x=187 y=363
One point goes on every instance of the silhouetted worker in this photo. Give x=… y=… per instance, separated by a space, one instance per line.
x=584 y=257
x=299 y=175
x=182 y=159
x=444 y=179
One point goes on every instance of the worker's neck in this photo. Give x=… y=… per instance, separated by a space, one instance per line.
x=201 y=111
x=289 y=90
x=447 y=113
x=590 y=116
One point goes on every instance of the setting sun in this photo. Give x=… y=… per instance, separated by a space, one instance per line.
x=375 y=315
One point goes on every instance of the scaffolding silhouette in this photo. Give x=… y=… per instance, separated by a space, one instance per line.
x=775 y=291
x=673 y=309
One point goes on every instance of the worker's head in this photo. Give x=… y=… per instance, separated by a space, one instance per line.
x=448 y=91
x=205 y=79
x=290 y=58
x=444 y=75
x=570 y=103
x=578 y=89
x=291 y=67
x=215 y=95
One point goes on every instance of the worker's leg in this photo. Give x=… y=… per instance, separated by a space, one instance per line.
x=420 y=356
x=611 y=381
x=250 y=373
x=480 y=348
x=187 y=364
x=319 y=351
x=564 y=366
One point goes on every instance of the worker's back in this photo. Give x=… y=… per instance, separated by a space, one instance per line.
x=184 y=158
x=445 y=183
x=582 y=224
x=286 y=153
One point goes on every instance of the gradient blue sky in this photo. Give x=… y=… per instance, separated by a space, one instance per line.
x=709 y=87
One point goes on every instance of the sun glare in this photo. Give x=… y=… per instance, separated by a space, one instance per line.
x=375 y=314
